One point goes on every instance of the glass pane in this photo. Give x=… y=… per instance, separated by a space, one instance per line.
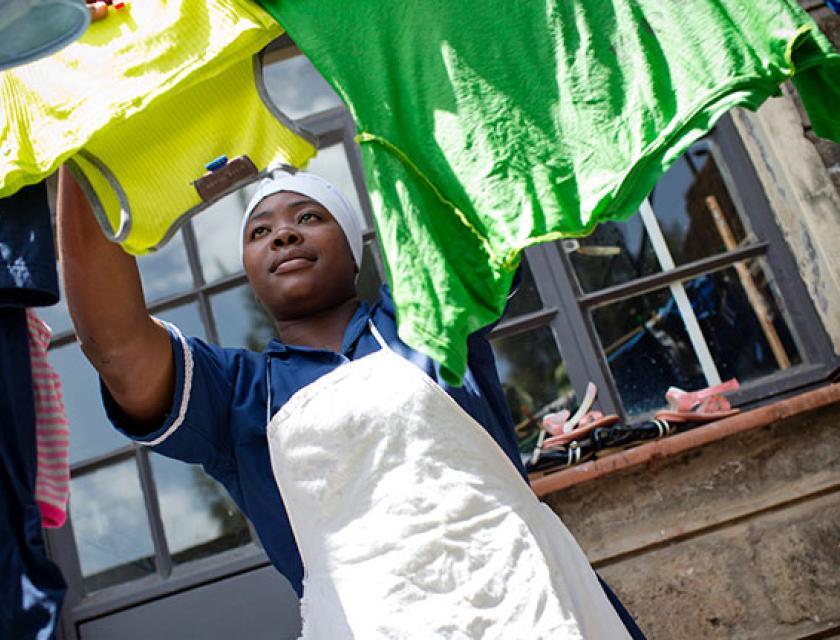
x=297 y=88
x=186 y=318
x=533 y=376
x=695 y=213
x=241 y=320
x=331 y=164
x=165 y=271
x=369 y=282
x=199 y=517
x=685 y=213
x=526 y=299
x=111 y=526
x=217 y=234
x=742 y=322
x=614 y=253
x=91 y=433
x=647 y=349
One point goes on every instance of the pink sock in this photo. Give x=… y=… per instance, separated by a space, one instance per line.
x=52 y=482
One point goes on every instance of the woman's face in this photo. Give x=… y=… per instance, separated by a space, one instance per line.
x=297 y=257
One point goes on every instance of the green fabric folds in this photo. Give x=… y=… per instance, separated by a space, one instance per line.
x=487 y=126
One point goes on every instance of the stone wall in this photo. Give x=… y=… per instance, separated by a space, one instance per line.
x=800 y=174
x=737 y=539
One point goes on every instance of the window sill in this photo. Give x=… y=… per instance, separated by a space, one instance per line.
x=651 y=452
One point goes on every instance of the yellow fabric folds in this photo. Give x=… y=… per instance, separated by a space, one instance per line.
x=141 y=103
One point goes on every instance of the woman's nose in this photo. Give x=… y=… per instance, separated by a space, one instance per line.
x=286 y=236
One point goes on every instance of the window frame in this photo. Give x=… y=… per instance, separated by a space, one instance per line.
x=568 y=310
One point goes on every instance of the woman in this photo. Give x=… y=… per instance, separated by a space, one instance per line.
x=301 y=248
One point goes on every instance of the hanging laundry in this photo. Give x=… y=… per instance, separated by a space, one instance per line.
x=31 y=585
x=140 y=104
x=52 y=431
x=487 y=127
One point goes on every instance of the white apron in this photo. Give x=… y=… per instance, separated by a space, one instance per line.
x=413 y=523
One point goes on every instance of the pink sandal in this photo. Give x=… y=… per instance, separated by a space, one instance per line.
x=703 y=405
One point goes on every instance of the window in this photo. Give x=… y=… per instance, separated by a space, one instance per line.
x=696 y=288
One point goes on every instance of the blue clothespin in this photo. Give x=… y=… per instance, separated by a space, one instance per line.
x=218 y=163
x=834 y=5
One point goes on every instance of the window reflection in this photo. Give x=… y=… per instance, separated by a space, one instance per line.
x=683 y=212
x=91 y=433
x=647 y=349
x=297 y=88
x=742 y=322
x=199 y=517
x=533 y=377
x=684 y=202
x=111 y=526
x=165 y=271
x=614 y=253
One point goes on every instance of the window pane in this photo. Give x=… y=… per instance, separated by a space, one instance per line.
x=241 y=320
x=742 y=322
x=647 y=349
x=526 y=299
x=217 y=234
x=683 y=201
x=369 y=282
x=614 y=253
x=111 y=527
x=91 y=433
x=297 y=88
x=533 y=376
x=683 y=212
x=199 y=517
x=165 y=271
x=186 y=318
x=331 y=164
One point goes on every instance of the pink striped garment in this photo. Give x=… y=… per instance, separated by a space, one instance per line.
x=52 y=482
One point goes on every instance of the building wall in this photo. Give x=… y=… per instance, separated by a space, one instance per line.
x=800 y=174
x=737 y=539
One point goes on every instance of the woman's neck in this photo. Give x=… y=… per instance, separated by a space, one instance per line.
x=322 y=330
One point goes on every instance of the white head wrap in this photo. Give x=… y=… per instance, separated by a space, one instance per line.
x=315 y=187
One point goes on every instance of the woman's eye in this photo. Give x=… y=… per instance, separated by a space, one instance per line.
x=258 y=232
x=308 y=216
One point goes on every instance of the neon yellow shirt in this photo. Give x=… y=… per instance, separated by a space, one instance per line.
x=140 y=104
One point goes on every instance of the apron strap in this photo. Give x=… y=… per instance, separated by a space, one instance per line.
x=378 y=336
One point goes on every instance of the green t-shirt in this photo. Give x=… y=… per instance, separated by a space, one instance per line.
x=487 y=126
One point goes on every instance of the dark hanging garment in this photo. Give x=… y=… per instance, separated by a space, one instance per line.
x=31 y=585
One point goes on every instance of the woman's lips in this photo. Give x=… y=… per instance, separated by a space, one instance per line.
x=294 y=264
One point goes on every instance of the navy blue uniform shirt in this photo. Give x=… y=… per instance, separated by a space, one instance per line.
x=218 y=415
